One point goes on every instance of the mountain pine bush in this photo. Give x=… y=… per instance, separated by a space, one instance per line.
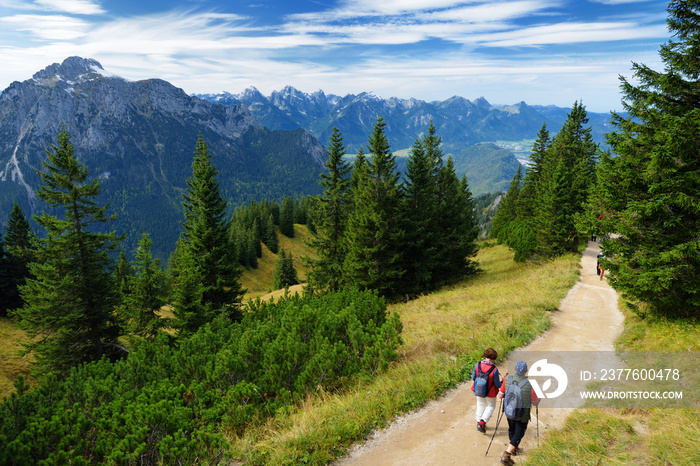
x=166 y=403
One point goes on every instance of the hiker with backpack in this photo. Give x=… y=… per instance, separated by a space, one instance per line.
x=518 y=397
x=599 y=269
x=485 y=385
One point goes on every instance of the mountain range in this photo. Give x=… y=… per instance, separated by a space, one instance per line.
x=139 y=139
x=461 y=123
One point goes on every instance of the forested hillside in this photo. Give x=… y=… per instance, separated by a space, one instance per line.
x=138 y=138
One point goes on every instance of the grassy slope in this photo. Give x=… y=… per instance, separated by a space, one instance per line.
x=444 y=333
x=11 y=363
x=258 y=281
x=632 y=436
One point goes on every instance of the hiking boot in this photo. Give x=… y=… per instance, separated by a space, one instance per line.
x=481 y=426
x=518 y=451
x=506 y=459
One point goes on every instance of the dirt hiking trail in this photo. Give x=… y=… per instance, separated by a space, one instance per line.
x=444 y=431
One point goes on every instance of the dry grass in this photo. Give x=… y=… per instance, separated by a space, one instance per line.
x=12 y=363
x=258 y=281
x=504 y=307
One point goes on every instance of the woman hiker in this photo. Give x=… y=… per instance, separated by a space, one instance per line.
x=485 y=385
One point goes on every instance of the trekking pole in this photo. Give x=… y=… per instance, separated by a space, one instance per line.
x=498 y=421
x=537 y=413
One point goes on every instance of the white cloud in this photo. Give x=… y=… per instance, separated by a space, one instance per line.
x=53 y=27
x=567 y=33
x=75 y=7
x=489 y=12
x=618 y=2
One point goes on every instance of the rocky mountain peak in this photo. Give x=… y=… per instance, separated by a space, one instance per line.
x=72 y=70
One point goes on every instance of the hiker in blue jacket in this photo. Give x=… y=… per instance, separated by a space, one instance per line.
x=485 y=385
x=528 y=398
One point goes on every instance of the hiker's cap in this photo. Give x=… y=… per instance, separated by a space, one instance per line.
x=520 y=367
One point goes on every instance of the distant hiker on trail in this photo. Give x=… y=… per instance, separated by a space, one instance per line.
x=485 y=385
x=598 y=268
x=519 y=397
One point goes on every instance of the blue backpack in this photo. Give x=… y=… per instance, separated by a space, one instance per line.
x=481 y=381
x=513 y=405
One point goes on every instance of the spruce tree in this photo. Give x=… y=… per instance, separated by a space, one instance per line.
x=271 y=240
x=457 y=225
x=522 y=232
x=4 y=280
x=507 y=209
x=71 y=296
x=287 y=217
x=649 y=192
x=331 y=212
x=147 y=292
x=567 y=179
x=420 y=213
x=207 y=251
x=532 y=181
x=18 y=255
x=122 y=274
x=375 y=236
x=285 y=274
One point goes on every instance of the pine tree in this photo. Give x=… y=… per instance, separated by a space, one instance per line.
x=71 y=296
x=207 y=251
x=122 y=274
x=271 y=240
x=567 y=179
x=4 y=280
x=18 y=255
x=331 y=213
x=287 y=217
x=374 y=230
x=285 y=274
x=458 y=227
x=420 y=214
x=507 y=209
x=531 y=182
x=649 y=193
x=147 y=295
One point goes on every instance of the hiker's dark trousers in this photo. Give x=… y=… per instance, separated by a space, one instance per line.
x=516 y=431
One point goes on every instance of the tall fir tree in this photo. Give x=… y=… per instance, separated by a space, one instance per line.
x=331 y=212
x=532 y=180
x=567 y=179
x=18 y=253
x=649 y=193
x=122 y=274
x=209 y=254
x=4 y=280
x=70 y=298
x=420 y=214
x=287 y=217
x=285 y=274
x=271 y=240
x=507 y=209
x=375 y=236
x=457 y=225
x=147 y=293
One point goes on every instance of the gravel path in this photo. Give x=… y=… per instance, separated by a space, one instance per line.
x=444 y=431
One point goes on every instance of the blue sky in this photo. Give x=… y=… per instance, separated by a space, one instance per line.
x=540 y=51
